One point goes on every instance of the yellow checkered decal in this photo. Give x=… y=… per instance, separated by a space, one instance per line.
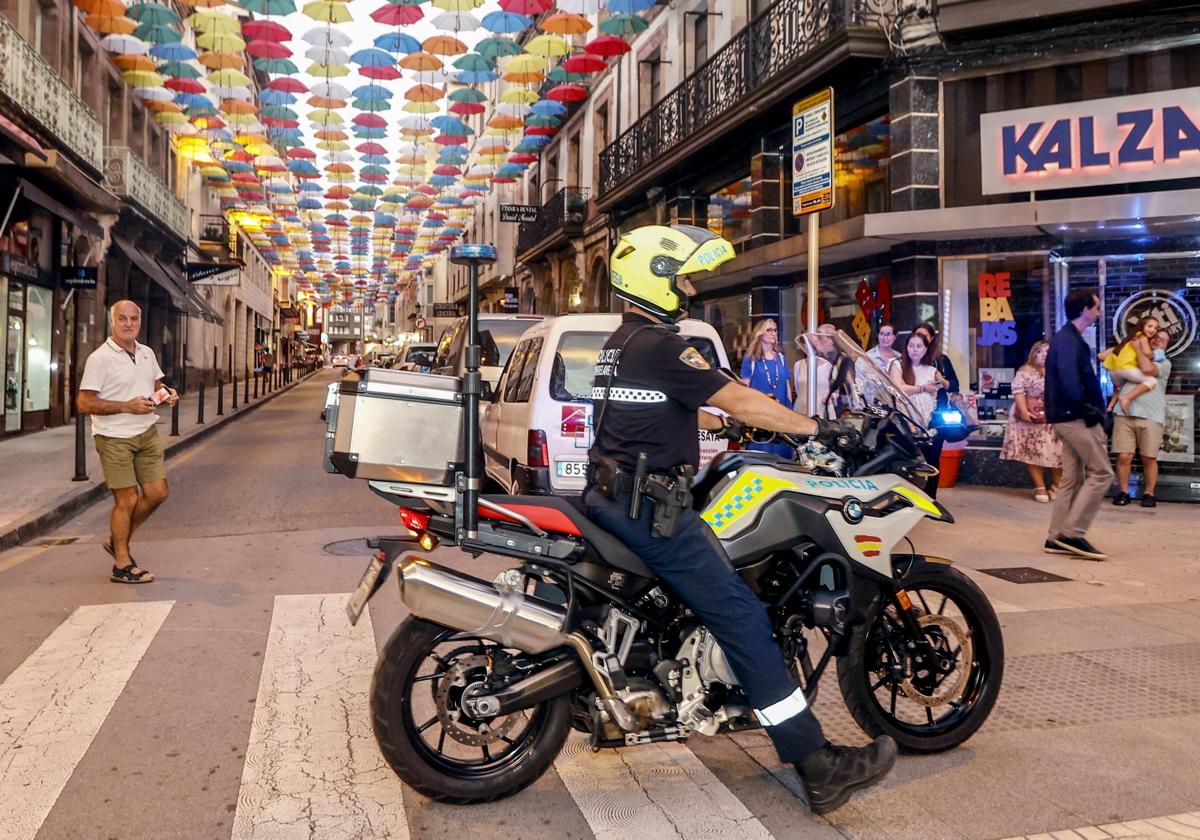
x=741 y=497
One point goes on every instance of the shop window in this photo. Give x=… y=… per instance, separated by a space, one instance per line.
x=38 y=317
x=860 y=177
x=729 y=210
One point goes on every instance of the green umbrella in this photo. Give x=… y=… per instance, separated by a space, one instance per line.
x=623 y=25
x=283 y=66
x=467 y=94
x=560 y=76
x=179 y=70
x=474 y=62
x=493 y=47
x=544 y=122
x=152 y=14
x=157 y=34
x=269 y=7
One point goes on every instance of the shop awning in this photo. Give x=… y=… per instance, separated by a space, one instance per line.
x=155 y=270
x=22 y=138
x=40 y=197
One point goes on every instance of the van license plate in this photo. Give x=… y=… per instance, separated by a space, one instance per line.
x=571 y=469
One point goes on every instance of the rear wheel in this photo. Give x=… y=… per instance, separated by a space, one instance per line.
x=433 y=744
x=936 y=696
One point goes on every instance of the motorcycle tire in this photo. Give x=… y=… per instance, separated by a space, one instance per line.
x=856 y=675
x=411 y=645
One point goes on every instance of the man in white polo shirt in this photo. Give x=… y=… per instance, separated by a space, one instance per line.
x=117 y=389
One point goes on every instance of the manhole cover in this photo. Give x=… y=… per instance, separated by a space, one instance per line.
x=59 y=541
x=1024 y=574
x=348 y=548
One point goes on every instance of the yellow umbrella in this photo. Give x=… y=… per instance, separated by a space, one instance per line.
x=566 y=23
x=548 y=45
x=457 y=5
x=241 y=119
x=224 y=42
x=217 y=23
x=111 y=24
x=220 y=60
x=207 y=4
x=170 y=118
x=228 y=77
x=328 y=71
x=327 y=11
x=326 y=116
x=444 y=45
x=333 y=145
x=519 y=96
x=421 y=61
x=524 y=63
x=142 y=78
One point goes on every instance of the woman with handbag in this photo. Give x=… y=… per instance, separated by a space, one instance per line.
x=1028 y=437
x=765 y=369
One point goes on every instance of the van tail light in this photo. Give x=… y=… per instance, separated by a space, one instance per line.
x=539 y=451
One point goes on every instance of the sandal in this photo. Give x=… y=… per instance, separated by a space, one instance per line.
x=111 y=552
x=126 y=574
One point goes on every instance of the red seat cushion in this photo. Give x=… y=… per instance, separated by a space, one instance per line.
x=546 y=518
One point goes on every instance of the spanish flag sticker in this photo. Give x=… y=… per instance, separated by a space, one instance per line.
x=868 y=545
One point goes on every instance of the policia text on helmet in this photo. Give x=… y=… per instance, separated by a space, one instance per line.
x=649 y=387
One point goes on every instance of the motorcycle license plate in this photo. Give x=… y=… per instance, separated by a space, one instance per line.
x=372 y=579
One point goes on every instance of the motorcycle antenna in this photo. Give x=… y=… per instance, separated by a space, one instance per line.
x=472 y=256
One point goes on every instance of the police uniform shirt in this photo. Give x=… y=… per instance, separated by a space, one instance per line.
x=661 y=383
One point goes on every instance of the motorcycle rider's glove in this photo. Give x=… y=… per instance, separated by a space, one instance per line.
x=842 y=433
x=731 y=429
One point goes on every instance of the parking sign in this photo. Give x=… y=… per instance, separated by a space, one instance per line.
x=812 y=153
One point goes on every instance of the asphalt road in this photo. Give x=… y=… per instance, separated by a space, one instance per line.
x=229 y=698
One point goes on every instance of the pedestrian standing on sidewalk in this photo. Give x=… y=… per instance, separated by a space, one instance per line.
x=765 y=369
x=1028 y=438
x=1140 y=427
x=117 y=388
x=1075 y=406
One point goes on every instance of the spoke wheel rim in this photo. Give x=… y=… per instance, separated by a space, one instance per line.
x=431 y=737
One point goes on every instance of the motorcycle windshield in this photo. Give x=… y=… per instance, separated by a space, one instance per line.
x=849 y=379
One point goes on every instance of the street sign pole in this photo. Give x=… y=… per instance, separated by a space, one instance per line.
x=812 y=192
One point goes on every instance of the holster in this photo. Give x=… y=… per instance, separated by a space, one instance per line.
x=671 y=494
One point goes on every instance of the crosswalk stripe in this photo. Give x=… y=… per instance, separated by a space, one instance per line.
x=54 y=703
x=655 y=790
x=312 y=767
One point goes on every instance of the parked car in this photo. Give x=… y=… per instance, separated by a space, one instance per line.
x=417 y=357
x=341 y=360
x=537 y=428
x=498 y=336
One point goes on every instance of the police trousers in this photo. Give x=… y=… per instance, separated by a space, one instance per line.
x=694 y=567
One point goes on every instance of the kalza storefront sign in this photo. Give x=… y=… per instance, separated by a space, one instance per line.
x=1125 y=139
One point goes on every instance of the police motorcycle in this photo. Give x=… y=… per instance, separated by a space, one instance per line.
x=477 y=690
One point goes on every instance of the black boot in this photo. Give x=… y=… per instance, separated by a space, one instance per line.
x=832 y=773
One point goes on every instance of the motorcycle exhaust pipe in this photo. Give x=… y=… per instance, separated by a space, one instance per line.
x=476 y=607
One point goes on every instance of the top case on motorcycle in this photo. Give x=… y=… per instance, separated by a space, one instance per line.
x=548 y=513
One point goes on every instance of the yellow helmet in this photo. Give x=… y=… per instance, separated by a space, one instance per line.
x=647 y=260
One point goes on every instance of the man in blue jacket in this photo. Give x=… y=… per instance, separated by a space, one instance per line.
x=1075 y=406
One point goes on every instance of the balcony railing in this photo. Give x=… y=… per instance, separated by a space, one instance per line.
x=129 y=178
x=770 y=46
x=35 y=88
x=566 y=210
x=214 y=230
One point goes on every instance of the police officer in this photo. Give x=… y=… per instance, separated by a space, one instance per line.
x=649 y=387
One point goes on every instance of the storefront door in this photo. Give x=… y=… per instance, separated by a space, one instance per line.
x=14 y=356
x=39 y=333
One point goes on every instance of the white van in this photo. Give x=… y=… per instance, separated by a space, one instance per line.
x=538 y=428
x=498 y=335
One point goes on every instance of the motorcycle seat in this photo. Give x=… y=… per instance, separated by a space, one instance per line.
x=563 y=516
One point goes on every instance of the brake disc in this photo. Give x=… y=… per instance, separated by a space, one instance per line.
x=457 y=723
x=948 y=689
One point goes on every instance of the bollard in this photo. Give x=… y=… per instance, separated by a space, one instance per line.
x=220 y=396
x=233 y=379
x=175 y=420
x=80 y=448
x=256 y=384
x=246 y=386
x=200 y=402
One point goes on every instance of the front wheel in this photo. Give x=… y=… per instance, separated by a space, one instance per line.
x=429 y=739
x=935 y=696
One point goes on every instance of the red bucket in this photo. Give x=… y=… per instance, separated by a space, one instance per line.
x=948 y=465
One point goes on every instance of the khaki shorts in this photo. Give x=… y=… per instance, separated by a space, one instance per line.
x=1136 y=434
x=128 y=462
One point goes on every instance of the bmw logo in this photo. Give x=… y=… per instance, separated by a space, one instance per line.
x=852 y=510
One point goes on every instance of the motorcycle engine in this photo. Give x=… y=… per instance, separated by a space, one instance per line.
x=703 y=667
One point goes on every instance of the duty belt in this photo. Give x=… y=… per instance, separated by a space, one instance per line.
x=670 y=492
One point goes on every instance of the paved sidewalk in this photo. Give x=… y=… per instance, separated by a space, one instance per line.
x=38 y=489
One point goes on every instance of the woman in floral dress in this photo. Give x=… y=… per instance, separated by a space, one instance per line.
x=1029 y=438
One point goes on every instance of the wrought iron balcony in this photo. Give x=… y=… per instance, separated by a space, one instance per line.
x=36 y=89
x=214 y=232
x=131 y=179
x=560 y=217
x=770 y=47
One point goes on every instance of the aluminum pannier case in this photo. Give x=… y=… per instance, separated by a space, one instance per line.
x=399 y=426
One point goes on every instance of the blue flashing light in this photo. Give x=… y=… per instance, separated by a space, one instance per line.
x=472 y=254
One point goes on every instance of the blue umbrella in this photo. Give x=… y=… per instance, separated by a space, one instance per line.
x=374 y=158
x=303 y=167
x=475 y=77
x=270 y=96
x=172 y=52
x=506 y=23
x=373 y=57
x=629 y=7
x=366 y=132
x=450 y=125
x=193 y=100
x=398 y=42
x=548 y=108
x=371 y=92
x=309 y=186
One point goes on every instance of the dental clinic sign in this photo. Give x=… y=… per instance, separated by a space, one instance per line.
x=1146 y=137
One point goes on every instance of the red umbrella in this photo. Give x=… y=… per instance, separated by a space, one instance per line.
x=370 y=120
x=268 y=49
x=467 y=108
x=446 y=169
x=585 y=63
x=184 y=85
x=370 y=149
x=521 y=157
x=565 y=93
x=527 y=7
x=397 y=15
x=450 y=139
x=607 y=45
x=387 y=73
x=545 y=131
x=267 y=30
x=287 y=84
x=275 y=122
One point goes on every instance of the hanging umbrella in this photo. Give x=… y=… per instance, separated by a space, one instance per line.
x=125 y=44
x=532 y=77
x=328 y=70
x=455 y=21
x=560 y=74
x=424 y=93
x=142 y=78
x=475 y=77
x=276 y=65
x=524 y=63
x=421 y=62
x=229 y=77
x=331 y=90
x=584 y=63
x=266 y=30
x=397 y=15
x=548 y=45
x=159 y=97
x=607 y=45
x=220 y=61
x=153 y=14
x=495 y=47
x=519 y=95
x=326 y=54
x=623 y=24
x=157 y=34
x=390 y=72
x=267 y=49
x=190 y=86
x=373 y=57
x=218 y=42
x=398 y=42
x=216 y=22
x=444 y=45
x=629 y=7
x=474 y=62
x=565 y=23
x=506 y=23
x=326 y=36
x=173 y=52
x=264 y=7
x=467 y=94
x=549 y=108
x=527 y=7
x=580 y=7
x=100 y=7
x=456 y=5
x=327 y=11
x=111 y=24
x=135 y=62
x=542 y=122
